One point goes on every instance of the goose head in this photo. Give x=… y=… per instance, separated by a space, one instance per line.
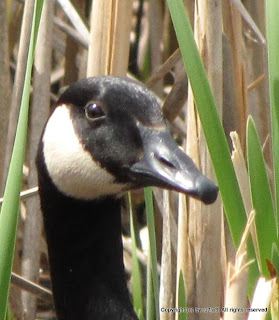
x=107 y=135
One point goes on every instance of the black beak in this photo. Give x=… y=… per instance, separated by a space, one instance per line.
x=165 y=165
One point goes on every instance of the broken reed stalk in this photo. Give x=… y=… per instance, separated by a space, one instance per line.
x=109 y=43
x=237 y=278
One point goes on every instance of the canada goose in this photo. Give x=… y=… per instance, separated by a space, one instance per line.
x=105 y=136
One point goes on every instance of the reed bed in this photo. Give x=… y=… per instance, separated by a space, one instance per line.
x=215 y=66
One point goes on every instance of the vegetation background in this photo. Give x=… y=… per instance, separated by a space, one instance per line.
x=208 y=257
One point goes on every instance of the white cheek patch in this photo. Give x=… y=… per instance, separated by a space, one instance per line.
x=69 y=165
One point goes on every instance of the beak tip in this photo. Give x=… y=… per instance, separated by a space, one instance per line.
x=207 y=190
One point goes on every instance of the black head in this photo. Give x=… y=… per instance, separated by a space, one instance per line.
x=107 y=135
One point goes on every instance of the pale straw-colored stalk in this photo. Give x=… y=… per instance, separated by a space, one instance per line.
x=166 y=283
x=262 y=298
x=205 y=223
x=237 y=279
x=110 y=27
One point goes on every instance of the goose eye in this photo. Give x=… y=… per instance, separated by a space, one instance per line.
x=94 y=111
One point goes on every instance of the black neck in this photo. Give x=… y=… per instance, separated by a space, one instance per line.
x=85 y=255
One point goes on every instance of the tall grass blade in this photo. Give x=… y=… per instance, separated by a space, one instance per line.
x=9 y=315
x=136 y=274
x=10 y=206
x=150 y=305
x=152 y=247
x=272 y=33
x=182 y=299
x=212 y=127
x=261 y=198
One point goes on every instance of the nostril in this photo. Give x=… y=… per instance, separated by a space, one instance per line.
x=166 y=162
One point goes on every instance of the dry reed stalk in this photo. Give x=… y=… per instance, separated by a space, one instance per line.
x=230 y=111
x=109 y=37
x=190 y=5
x=256 y=82
x=74 y=17
x=127 y=245
x=71 y=67
x=205 y=221
x=166 y=280
x=258 y=97
x=19 y=80
x=249 y=20
x=30 y=263
x=70 y=31
x=176 y=98
x=239 y=70
x=74 y=55
x=158 y=195
x=187 y=212
x=15 y=25
x=32 y=287
x=143 y=40
x=26 y=193
x=183 y=251
x=155 y=39
x=163 y=69
x=237 y=279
